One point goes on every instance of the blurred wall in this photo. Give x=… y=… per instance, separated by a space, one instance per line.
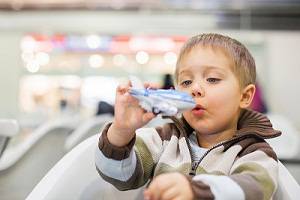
x=9 y=73
x=278 y=70
x=283 y=88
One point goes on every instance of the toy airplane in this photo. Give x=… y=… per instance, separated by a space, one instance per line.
x=167 y=102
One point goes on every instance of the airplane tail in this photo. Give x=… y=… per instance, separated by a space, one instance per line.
x=136 y=82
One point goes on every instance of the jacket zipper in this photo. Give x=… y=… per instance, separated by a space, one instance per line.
x=195 y=164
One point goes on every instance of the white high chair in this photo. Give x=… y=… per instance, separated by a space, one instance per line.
x=75 y=177
x=8 y=129
x=13 y=153
x=83 y=129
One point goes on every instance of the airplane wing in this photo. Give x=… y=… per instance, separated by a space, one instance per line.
x=164 y=107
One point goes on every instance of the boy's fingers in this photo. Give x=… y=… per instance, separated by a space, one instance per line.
x=122 y=89
x=158 y=186
x=169 y=194
x=150 y=85
x=147 y=195
x=150 y=194
x=129 y=84
x=148 y=116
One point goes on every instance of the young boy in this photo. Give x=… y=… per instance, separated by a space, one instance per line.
x=216 y=150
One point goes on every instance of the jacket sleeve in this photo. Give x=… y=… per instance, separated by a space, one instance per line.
x=131 y=166
x=253 y=176
x=256 y=171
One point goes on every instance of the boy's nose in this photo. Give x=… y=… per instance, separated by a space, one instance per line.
x=197 y=91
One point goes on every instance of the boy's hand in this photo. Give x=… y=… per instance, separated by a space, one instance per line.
x=171 y=186
x=129 y=116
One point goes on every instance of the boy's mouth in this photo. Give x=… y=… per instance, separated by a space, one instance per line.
x=198 y=110
x=198 y=107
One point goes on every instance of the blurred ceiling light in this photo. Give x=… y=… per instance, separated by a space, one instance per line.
x=142 y=57
x=136 y=43
x=118 y=4
x=93 y=41
x=119 y=60
x=156 y=44
x=33 y=66
x=96 y=61
x=27 y=56
x=28 y=44
x=170 y=58
x=42 y=58
x=163 y=44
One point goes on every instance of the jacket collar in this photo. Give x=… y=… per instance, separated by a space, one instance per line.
x=250 y=123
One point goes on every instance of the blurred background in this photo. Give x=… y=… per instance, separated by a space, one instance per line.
x=61 y=60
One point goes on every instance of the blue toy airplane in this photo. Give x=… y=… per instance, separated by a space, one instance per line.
x=167 y=102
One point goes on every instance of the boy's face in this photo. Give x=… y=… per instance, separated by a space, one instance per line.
x=206 y=74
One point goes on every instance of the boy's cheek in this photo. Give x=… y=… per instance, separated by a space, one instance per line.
x=178 y=87
x=187 y=115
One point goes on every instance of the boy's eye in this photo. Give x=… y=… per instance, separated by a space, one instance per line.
x=186 y=82
x=213 y=80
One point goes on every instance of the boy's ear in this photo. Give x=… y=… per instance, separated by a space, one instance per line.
x=247 y=95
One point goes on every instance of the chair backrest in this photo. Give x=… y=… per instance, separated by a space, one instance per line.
x=78 y=135
x=8 y=127
x=288 y=188
x=11 y=155
x=75 y=177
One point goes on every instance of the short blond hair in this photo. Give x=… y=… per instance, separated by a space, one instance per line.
x=244 y=65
